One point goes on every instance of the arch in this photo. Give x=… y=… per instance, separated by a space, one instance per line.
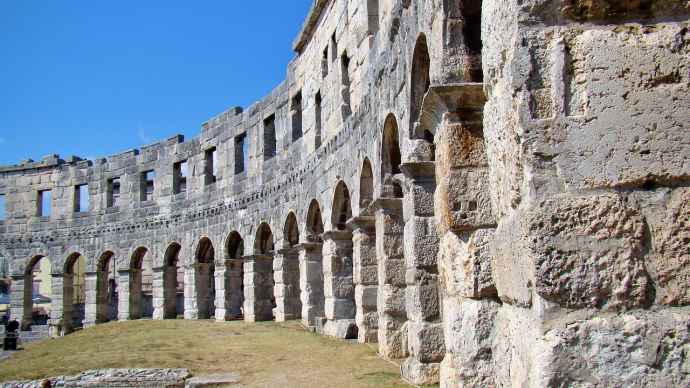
x=234 y=246
x=37 y=291
x=204 y=276
x=391 y=157
x=106 y=288
x=366 y=185
x=342 y=210
x=314 y=227
x=140 y=301
x=291 y=231
x=263 y=243
x=420 y=81
x=74 y=292
x=234 y=277
x=173 y=282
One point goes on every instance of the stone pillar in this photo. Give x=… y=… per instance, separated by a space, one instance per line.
x=338 y=286
x=287 y=290
x=365 y=277
x=392 y=333
x=136 y=295
x=91 y=299
x=56 y=322
x=67 y=302
x=190 y=301
x=425 y=336
x=236 y=289
x=258 y=288
x=311 y=283
x=17 y=301
x=170 y=292
x=158 y=292
x=124 y=295
x=221 y=277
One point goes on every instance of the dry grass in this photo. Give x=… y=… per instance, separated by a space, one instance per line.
x=264 y=354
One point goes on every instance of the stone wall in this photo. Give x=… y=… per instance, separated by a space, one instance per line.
x=495 y=192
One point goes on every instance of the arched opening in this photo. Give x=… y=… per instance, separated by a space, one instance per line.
x=106 y=288
x=339 y=289
x=259 y=271
x=287 y=276
x=205 y=280
x=463 y=33
x=235 y=279
x=314 y=223
x=140 y=287
x=391 y=159
x=173 y=283
x=366 y=187
x=420 y=81
x=38 y=292
x=74 y=292
x=311 y=267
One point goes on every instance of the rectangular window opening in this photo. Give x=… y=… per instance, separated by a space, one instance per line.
x=324 y=63
x=211 y=165
x=147 y=185
x=296 y=112
x=81 y=198
x=45 y=200
x=113 y=192
x=270 y=137
x=317 y=120
x=180 y=171
x=241 y=153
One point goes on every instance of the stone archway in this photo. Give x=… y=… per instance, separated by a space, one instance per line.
x=287 y=276
x=106 y=289
x=204 y=279
x=74 y=292
x=311 y=267
x=234 y=286
x=132 y=305
x=37 y=292
x=173 y=283
x=338 y=270
x=259 y=278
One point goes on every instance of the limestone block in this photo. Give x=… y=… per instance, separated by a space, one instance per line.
x=426 y=341
x=419 y=200
x=671 y=256
x=419 y=373
x=391 y=272
x=640 y=348
x=366 y=275
x=390 y=246
x=462 y=200
x=465 y=266
x=422 y=298
x=391 y=300
x=421 y=242
x=366 y=296
x=389 y=223
x=589 y=252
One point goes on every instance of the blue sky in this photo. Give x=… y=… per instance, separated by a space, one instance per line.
x=93 y=78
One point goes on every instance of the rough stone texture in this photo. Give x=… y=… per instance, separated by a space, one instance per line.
x=526 y=163
x=108 y=378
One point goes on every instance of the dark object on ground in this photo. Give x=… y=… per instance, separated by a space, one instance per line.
x=11 y=335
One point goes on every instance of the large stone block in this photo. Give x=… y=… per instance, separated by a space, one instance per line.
x=421 y=242
x=465 y=265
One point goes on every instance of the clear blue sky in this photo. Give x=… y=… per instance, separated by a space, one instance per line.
x=93 y=78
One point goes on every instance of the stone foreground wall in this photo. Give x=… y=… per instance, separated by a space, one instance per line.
x=496 y=192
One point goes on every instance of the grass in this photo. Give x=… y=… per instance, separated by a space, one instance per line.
x=264 y=354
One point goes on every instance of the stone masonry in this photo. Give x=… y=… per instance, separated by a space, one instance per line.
x=496 y=192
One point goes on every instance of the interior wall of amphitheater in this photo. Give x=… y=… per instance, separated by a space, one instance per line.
x=495 y=192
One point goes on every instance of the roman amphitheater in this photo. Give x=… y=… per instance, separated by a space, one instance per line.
x=495 y=193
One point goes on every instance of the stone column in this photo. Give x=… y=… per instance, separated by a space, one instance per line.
x=136 y=295
x=338 y=287
x=221 y=277
x=236 y=289
x=124 y=295
x=392 y=333
x=67 y=302
x=90 y=302
x=190 y=302
x=258 y=288
x=365 y=277
x=311 y=283
x=425 y=336
x=56 y=321
x=17 y=301
x=287 y=290
x=158 y=292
